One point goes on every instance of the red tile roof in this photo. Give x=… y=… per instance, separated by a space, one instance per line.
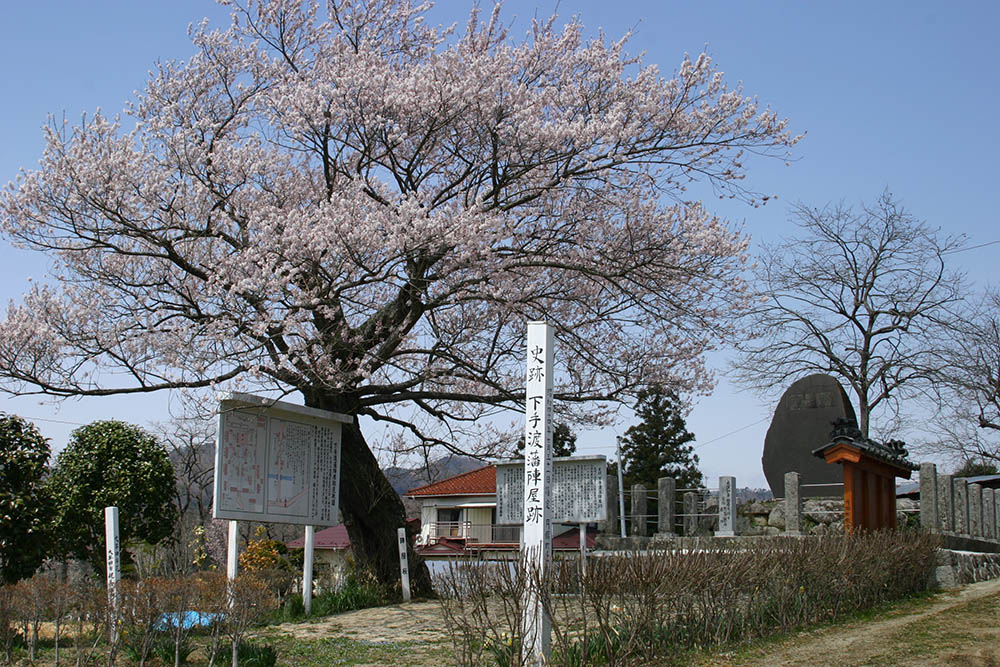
x=480 y=482
x=570 y=539
x=334 y=537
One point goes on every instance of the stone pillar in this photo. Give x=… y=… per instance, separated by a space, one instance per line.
x=666 y=490
x=929 y=520
x=961 y=506
x=946 y=503
x=975 y=495
x=638 y=527
x=690 y=513
x=996 y=514
x=793 y=505
x=727 y=507
x=610 y=526
x=989 y=515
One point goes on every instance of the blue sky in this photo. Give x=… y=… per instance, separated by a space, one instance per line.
x=903 y=95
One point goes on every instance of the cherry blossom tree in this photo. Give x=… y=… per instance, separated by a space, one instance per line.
x=345 y=202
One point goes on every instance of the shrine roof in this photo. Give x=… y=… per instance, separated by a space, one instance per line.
x=479 y=482
x=846 y=432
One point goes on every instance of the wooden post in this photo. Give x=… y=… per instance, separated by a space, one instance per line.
x=114 y=562
x=307 y=569
x=404 y=566
x=537 y=546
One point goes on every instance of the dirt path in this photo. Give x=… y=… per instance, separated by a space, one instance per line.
x=960 y=627
x=409 y=621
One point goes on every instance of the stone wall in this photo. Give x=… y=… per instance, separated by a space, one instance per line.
x=957 y=568
x=820 y=516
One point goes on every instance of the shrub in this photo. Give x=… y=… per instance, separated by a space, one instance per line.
x=250 y=654
x=652 y=607
x=359 y=590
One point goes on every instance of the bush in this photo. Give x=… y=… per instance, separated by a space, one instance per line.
x=250 y=654
x=652 y=607
x=292 y=610
x=166 y=650
x=359 y=591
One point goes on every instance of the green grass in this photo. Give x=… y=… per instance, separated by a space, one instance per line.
x=738 y=653
x=344 y=651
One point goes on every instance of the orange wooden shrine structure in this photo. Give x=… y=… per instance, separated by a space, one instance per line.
x=870 y=472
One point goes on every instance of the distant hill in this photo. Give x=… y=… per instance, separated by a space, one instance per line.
x=405 y=479
x=746 y=495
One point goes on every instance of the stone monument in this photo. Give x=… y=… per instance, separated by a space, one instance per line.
x=802 y=422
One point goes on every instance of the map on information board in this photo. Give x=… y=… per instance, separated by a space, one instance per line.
x=277 y=462
x=579 y=490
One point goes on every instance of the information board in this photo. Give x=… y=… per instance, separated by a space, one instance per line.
x=277 y=461
x=579 y=490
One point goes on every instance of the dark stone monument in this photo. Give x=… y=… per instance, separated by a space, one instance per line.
x=802 y=422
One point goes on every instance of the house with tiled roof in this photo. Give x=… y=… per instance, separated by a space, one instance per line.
x=462 y=508
x=458 y=517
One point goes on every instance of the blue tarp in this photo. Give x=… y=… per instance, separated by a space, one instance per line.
x=186 y=619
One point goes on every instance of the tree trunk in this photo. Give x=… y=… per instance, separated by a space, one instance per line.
x=373 y=512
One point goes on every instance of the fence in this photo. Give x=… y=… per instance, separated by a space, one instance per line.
x=474 y=532
x=950 y=506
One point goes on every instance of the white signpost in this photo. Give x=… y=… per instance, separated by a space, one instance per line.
x=404 y=566
x=537 y=543
x=114 y=565
x=307 y=569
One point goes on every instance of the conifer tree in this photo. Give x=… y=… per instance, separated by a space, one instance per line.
x=660 y=444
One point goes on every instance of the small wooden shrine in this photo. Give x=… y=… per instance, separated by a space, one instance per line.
x=870 y=472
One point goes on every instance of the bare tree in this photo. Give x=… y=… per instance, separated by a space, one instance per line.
x=863 y=295
x=191 y=443
x=968 y=388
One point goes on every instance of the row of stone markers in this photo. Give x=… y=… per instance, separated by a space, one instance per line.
x=947 y=505
x=956 y=507
x=666 y=512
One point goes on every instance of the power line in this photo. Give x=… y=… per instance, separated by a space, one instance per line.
x=971 y=247
x=697 y=446
x=726 y=435
x=54 y=421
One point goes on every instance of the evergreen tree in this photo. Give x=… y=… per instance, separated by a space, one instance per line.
x=25 y=507
x=975 y=467
x=111 y=463
x=660 y=444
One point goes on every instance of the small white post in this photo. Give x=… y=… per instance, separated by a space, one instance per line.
x=307 y=570
x=114 y=566
x=232 y=564
x=404 y=567
x=621 y=490
x=583 y=550
x=233 y=550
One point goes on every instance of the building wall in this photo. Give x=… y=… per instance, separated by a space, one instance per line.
x=480 y=520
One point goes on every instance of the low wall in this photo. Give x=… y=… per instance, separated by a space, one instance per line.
x=961 y=562
x=957 y=568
